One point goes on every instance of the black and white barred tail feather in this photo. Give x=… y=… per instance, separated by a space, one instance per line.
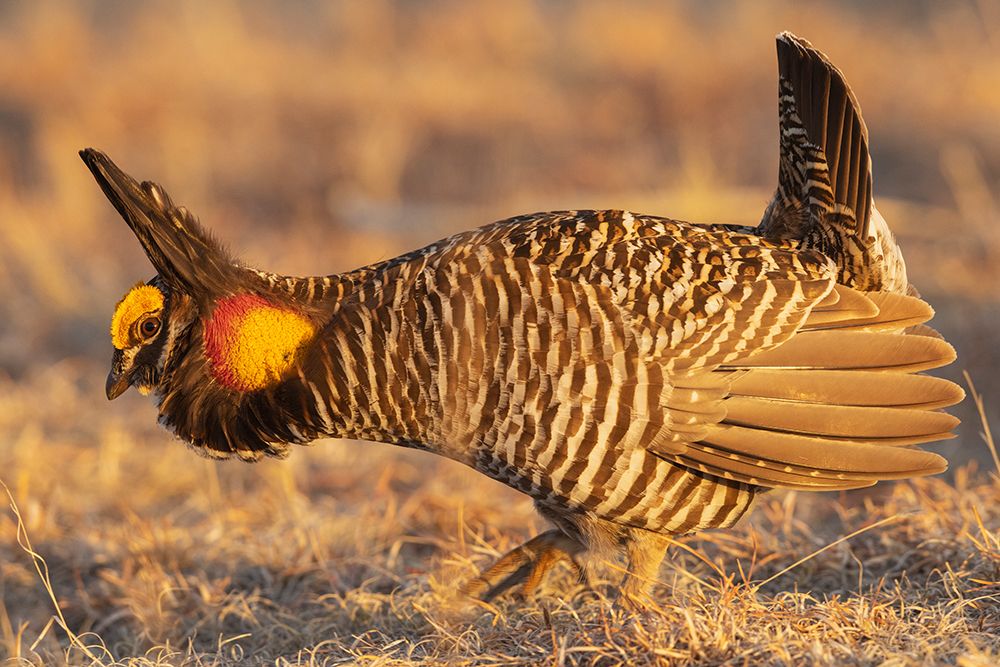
x=824 y=197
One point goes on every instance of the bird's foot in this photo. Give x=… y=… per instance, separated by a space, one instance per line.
x=526 y=565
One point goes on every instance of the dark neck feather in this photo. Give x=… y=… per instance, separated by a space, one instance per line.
x=338 y=400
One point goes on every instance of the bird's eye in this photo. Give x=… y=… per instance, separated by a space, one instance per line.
x=149 y=326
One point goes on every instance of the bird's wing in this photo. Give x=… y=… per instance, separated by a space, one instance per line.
x=711 y=310
x=564 y=339
x=836 y=406
x=692 y=296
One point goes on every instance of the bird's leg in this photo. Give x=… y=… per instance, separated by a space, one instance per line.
x=645 y=552
x=525 y=565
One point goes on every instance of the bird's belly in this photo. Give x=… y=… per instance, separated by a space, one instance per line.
x=627 y=486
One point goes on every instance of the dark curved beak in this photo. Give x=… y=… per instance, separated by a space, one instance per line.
x=118 y=380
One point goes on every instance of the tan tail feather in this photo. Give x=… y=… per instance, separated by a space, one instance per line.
x=869 y=457
x=833 y=407
x=850 y=305
x=853 y=350
x=874 y=388
x=836 y=420
x=924 y=330
x=700 y=380
x=724 y=468
x=830 y=300
x=764 y=472
x=714 y=413
x=696 y=400
x=896 y=312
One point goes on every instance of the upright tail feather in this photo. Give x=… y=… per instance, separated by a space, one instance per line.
x=824 y=195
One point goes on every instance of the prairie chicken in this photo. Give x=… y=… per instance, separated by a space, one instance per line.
x=636 y=376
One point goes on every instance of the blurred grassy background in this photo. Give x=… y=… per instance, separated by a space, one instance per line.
x=314 y=137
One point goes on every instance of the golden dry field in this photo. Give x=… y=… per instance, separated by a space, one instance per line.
x=315 y=137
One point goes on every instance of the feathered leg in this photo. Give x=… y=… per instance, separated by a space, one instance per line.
x=645 y=551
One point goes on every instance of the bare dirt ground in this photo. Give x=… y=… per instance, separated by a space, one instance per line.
x=314 y=138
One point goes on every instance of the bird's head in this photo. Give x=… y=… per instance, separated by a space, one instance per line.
x=202 y=311
x=139 y=338
x=150 y=324
x=149 y=328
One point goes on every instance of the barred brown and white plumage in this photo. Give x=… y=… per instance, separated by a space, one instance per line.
x=637 y=376
x=824 y=197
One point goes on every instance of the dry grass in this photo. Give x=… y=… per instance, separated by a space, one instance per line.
x=351 y=552
x=376 y=127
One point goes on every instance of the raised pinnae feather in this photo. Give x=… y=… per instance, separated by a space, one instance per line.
x=182 y=252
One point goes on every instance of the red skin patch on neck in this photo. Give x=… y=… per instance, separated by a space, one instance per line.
x=227 y=318
x=250 y=342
